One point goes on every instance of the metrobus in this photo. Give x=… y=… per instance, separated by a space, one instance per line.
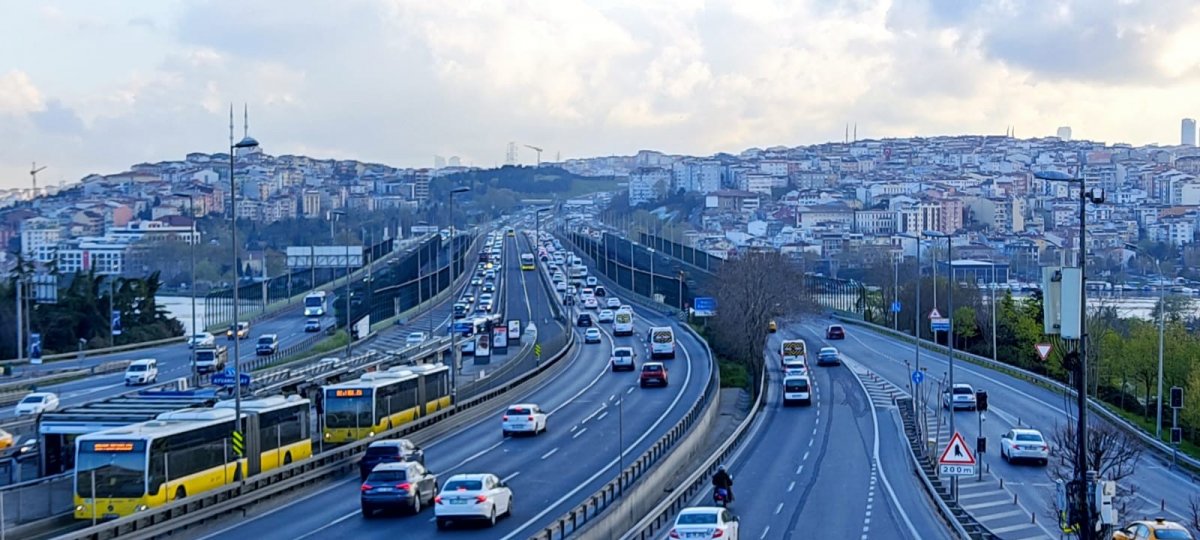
x=314 y=304
x=527 y=261
x=181 y=453
x=382 y=400
x=662 y=342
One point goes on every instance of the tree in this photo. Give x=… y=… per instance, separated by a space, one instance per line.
x=966 y=327
x=1177 y=308
x=1110 y=451
x=1190 y=415
x=751 y=290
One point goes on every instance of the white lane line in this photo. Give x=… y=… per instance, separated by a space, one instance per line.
x=791 y=486
x=799 y=469
x=778 y=508
x=764 y=533
x=602 y=415
x=581 y=432
x=593 y=415
x=330 y=524
x=630 y=390
x=511 y=476
x=550 y=453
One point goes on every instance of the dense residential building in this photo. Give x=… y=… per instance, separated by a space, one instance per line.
x=648 y=184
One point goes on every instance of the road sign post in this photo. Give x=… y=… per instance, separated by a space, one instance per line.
x=956 y=459
x=918 y=377
x=896 y=306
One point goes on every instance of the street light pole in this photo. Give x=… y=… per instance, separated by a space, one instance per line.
x=192 y=285
x=349 y=319
x=995 y=355
x=456 y=355
x=537 y=225
x=949 y=333
x=917 y=334
x=247 y=142
x=1162 y=318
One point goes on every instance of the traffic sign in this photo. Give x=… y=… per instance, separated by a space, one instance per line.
x=935 y=314
x=225 y=378
x=537 y=350
x=918 y=377
x=705 y=306
x=896 y=306
x=957 y=452
x=239 y=443
x=941 y=324
x=1043 y=350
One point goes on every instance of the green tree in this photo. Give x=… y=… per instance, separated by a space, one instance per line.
x=966 y=328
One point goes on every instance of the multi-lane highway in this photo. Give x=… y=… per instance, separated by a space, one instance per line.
x=1012 y=403
x=593 y=414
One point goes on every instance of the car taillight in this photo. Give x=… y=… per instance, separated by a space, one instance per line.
x=404 y=486
x=367 y=487
x=1045 y=448
x=481 y=498
x=506 y=418
x=531 y=418
x=437 y=500
x=674 y=534
x=718 y=533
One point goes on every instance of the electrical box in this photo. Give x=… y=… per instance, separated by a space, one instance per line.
x=1106 y=490
x=1051 y=298
x=1070 y=324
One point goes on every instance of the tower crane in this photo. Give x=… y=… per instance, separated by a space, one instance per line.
x=539 y=153
x=33 y=170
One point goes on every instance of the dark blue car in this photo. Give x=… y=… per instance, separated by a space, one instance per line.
x=405 y=486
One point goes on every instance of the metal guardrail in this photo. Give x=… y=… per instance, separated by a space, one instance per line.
x=1093 y=405
x=594 y=505
x=12 y=392
x=663 y=515
x=904 y=405
x=207 y=505
x=98 y=352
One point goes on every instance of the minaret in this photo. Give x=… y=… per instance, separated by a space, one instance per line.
x=245 y=120
x=231 y=127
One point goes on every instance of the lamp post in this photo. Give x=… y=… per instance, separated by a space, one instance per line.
x=537 y=227
x=995 y=356
x=1081 y=452
x=917 y=329
x=349 y=320
x=246 y=143
x=456 y=355
x=949 y=333
x=192 y=279
x=1162 y=317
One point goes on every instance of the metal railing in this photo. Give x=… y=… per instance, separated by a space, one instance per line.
x=12 y=392
x=1029 y=376
x=207 y=505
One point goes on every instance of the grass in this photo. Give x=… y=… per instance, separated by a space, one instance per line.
x=1187 y=447
x=733 y=374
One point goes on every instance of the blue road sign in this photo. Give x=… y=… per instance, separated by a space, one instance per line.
x=918 y=377
x=705 y=306
x=896 y=306
x=940 y=324
x=225 y=378
x=35 y=348
x=115 y=326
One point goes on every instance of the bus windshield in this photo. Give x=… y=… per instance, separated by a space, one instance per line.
x=348 y=412
x=119 y=468
x=314 y=301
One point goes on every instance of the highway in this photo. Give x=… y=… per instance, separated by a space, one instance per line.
x=549 y=473
x=833 y=469
x=1012 y=403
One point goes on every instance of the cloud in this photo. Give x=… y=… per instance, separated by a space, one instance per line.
x=18 y=94
x=58 y=119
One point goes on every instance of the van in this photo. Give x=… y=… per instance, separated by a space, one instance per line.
x=144 y=371
x=623 y=323
x=662 y=342
x=211 y=359
x=797 y=389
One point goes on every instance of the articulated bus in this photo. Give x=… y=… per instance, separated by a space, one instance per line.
x=527 y=262
x=382 y=400
x=181 y=453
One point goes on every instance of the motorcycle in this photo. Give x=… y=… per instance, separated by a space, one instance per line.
x=721 y=497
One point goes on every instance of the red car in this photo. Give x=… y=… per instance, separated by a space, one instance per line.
x=835 y=331
x=653 y=373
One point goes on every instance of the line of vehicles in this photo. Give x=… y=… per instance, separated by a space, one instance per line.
x=793 y=359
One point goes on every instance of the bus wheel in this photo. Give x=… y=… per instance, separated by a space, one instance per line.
x=287 y=458
x=180 y=492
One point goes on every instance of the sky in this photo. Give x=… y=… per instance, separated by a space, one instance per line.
x=94 y=86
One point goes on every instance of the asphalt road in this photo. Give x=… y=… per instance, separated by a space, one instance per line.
x=549 y=473
x=1012 y=403
x=832 y=469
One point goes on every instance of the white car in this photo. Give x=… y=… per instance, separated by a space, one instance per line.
x=705 y=522
x=144 y=371
x=472 y=497
x=37 y=403
x=590 y=303
x=523 y=418
x=560 y=286
x=605 y=315
x=612 y=302
x=415 y=338
x=1023 y=443
x=592 y=335
x=622 y=359
x=591 y=281
x=203 y=339
x=963 y=397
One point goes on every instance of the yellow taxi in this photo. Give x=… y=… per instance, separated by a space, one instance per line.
x=1159 y=529
x=6 y=439
x=772 y=327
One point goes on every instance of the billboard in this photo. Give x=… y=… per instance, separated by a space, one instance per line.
x=706 y=306
x=324 y=256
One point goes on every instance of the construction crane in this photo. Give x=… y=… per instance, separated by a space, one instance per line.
x=539 y=153
x=33 y=170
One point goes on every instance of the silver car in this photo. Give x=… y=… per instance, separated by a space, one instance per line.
x=1023 y=443
x=962 y=396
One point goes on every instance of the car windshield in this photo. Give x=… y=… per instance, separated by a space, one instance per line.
x=265 y=340
x=463 y=485
x=199 y=336
x=519 y=410
x=383 y=450
x=622 y=352
x=1029 y=437
x=33 y=399
x=387 y=476
x=796 y=385
x=963 y=390
x=137 y=367
x=651 y=368
x=697 y=519
x=835 y=329
x=118 y=467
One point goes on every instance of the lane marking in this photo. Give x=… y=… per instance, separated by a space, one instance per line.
x=602 y=415
x=550 y=453
x=791 y=486
x=581 y=432
x=511 y=476
x=778 y=508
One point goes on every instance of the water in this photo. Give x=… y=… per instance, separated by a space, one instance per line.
x=180 y=307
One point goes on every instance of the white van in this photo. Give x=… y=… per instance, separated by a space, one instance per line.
x=623 y=323
x=144 y=371
x=797 y=389
x=662 y=342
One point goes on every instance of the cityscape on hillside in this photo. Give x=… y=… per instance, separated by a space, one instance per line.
x=845 y=205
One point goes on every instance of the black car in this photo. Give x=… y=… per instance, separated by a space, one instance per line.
x=406 y=486
x=460 y=310
x=389 y=451
x=835 y=331
x=584 y=319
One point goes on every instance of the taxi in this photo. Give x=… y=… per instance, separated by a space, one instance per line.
x=1159 y=529
x=772 y=327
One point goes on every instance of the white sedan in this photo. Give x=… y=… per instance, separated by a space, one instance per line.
x=472 y=497
x=590 y=303
x=605 y=315
x=523 y=418
x=613 y=302
x=705 y=522
x=415 y=338
x=202 y=339
x=1019 y=443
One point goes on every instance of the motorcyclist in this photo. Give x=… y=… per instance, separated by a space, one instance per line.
x=722 y=479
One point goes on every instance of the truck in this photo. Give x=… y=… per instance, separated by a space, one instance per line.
x=793 y=353
x=314 y=304
x=211 y=359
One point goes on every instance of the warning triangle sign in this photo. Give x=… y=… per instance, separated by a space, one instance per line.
x=957 y=452
x=1043 y=350
x=935 y=314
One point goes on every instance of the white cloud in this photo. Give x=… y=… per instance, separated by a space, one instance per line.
x=18 y=94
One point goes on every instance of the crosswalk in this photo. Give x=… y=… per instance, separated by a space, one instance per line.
x=883 y=393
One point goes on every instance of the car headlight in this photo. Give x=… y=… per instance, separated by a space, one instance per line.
x=371 y=434
x=79 y=508
x=141 y=507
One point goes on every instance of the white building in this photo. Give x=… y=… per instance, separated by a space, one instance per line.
x=648 y=185
x=137 y=231
x=105 y=255
x=39 y=239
